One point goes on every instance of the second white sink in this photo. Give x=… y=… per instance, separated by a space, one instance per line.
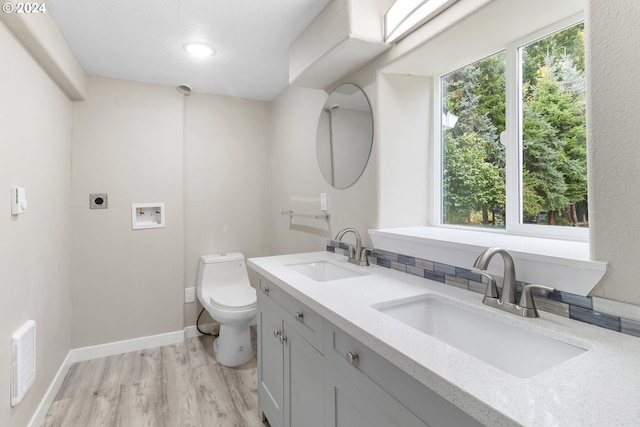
x=512 y=349
x=324 y=271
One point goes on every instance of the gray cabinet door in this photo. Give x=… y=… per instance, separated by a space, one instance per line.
x=270 y=366
x=304 y=382
x=352 y=400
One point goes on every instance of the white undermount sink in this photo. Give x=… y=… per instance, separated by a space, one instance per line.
x=512 y=349
x=324 y=271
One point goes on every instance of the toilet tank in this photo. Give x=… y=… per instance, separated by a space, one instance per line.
x=222 y=270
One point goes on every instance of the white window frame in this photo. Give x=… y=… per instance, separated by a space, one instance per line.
x=513 y=140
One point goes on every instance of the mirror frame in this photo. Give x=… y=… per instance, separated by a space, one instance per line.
x=347 y=101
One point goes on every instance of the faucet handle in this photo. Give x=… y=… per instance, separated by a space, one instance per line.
x=527 y=302
x=492 y=287
x=352 y=249
x=364 y=259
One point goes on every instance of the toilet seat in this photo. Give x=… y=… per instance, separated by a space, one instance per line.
x=233 y=298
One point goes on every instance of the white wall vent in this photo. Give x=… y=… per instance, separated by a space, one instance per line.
x=23 y=361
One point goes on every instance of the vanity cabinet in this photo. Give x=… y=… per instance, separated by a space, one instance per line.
x=364 y=389
x=313 y=374
x=290 y=361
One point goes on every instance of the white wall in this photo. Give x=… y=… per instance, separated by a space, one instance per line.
x=613 y=97
x=35 y=254
x=226 y=181
x=404 y=126
x=205 y=156
x=127 y=142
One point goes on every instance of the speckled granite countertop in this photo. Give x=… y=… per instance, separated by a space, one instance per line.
x=600 y=387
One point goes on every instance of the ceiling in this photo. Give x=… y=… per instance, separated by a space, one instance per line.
x=142 y=40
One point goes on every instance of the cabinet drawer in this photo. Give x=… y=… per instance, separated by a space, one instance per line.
x=306 y=322
x=427 y=405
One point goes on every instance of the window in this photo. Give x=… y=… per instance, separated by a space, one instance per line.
x=404 y=16
x=473 y=159
x=513 y=139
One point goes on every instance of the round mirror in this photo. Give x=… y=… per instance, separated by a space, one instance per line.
x=344 y=136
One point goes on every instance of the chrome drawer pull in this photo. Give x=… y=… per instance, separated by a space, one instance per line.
x=277 y=333
x=283 y=339
x=298 y=316
x=265 y=290
x=352 y=358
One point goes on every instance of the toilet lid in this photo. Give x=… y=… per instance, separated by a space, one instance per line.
x=233 y=297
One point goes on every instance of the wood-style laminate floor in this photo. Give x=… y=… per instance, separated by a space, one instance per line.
x=180 y=385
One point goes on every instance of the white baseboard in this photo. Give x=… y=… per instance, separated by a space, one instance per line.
x=38 y=417
x=192 y=331
x=126 y=346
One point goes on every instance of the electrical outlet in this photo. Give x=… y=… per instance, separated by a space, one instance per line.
x=189 y=295
x=98 y=201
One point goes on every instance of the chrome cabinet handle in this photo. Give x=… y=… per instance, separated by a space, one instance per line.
x=265 y=290
x=299 y=316
x=352 y=358
x=278 y=334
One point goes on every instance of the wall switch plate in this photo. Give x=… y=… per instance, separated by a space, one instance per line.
x=189 y=295
x=323 y=202
x=98 y=201
x=18 y=200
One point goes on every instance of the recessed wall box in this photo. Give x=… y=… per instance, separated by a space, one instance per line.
x=147 y=215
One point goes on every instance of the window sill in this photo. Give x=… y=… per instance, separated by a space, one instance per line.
x=563 y=264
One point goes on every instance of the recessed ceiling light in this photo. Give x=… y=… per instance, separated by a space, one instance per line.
x=200 y=50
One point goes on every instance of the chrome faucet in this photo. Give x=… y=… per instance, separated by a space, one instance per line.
x=509 y=282
x=357 y=255
x=507 y=301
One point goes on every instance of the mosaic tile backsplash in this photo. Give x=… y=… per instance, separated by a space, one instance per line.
x=557 y=302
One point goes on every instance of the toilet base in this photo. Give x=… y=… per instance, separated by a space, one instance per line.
x=233 y=345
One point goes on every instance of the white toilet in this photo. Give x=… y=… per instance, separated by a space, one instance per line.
x=225 y=292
